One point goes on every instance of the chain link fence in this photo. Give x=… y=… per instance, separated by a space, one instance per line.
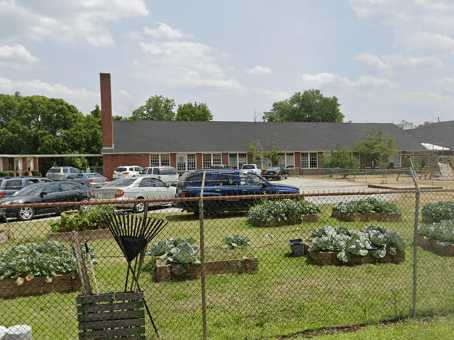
x=221 y=272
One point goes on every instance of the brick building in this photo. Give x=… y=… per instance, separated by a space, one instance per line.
x=197 y=145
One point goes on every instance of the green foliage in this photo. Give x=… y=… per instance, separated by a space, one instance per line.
x=176 y=251
x=38 y=124
x=442 y=231
x=437 y=212
x=155 y=108
x=280 y=212
x=89 y=218
x=273 y=156
x=341 y=158
x=307 y=106
x=237 y=241
x=193 y=112
x=371 y=241
x=29 y=260
x=376 y=150
x=366 y=206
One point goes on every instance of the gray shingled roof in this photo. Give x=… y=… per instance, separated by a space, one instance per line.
x=441 y=134
x=165 y=136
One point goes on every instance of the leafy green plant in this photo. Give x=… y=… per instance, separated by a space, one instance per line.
x=89 y=218
x=280 y=212
x=438 y=211
x=24 y=262
x=182 y=251
x=441 y=231
x=372 y=240
x=366 y=206
x=237 y=241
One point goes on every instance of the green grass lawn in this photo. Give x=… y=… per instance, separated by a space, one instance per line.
x=287 y=295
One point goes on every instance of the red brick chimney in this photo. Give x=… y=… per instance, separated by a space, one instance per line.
x=106 y=111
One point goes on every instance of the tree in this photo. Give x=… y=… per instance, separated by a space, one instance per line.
x=193 y=112
x=273 y=156
x=341 y=158
x=307 y=106
x=376 y=150
x=155 y=108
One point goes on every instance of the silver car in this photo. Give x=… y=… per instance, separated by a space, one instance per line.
x=167 y=174
x=144 y=187
x=61 y=173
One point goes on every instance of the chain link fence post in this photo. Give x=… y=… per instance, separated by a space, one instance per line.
x=415 y=248
x=202 y=261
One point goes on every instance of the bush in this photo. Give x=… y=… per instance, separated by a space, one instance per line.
x=366 y=206
x=177 y=251
x=441 y=231
x=90 y=218
x=437 y=212
x=237 y=241
x=280 y=212
x=371 y=241
x=26 y=261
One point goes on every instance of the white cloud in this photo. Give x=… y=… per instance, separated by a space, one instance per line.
x=332 y=80
x=16 y=53
x=259 y=70
x=388 y=62
x=84 y=99
x=431 y=41
x=163 y=31
x=184 y=63
x=87 y=20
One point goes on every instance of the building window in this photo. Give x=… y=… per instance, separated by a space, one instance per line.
x=309 y=160
x=289 y=159
x=181 y=162
x=207 y=160
x=159 y=159
x=281 y=160
x=242 y=159
x=217 y=159
x=191 y=161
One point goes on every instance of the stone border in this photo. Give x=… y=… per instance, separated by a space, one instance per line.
x=38 y=286
x=330 y=259
x=367 y=217
x=165 y=273
x=84 y=235
x=434 y=246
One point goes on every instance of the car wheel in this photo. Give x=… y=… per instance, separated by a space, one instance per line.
x=139 y=207
x=26 y=214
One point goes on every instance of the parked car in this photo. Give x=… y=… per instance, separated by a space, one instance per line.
x=91 y=179
x=226 y=183
x=61 y=173
x=144 y=187
x=126 y=171
x=167 y=174
x=251 y=168
x=8 y=186
x=61 y=191
x=275 y=173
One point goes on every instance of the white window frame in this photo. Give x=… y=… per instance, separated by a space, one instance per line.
x=159 y=159
x=191 y=161
x=292 y=157
x=307 y=160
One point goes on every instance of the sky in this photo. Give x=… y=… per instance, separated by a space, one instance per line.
x=385 y=60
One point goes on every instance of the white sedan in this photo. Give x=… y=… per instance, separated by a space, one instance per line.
x=145 y=187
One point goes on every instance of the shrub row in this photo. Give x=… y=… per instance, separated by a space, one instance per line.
x=366 y=206
x=437 y=212
x=441 y=231
x=280 y=212
x=89 y=218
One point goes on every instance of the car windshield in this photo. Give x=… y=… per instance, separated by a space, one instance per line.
x=274 y=169
x=30 y=190
x=53 y=170
x=124 y=182
x=248 y=166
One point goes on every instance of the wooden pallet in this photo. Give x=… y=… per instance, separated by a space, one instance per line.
x=111 y=316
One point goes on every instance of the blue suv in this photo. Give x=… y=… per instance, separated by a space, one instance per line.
x=226 y=183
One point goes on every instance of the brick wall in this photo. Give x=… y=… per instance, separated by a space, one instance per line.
x=110 y=162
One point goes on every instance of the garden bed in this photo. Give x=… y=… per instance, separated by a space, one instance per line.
x=437 y=247
x=380 y=217
x=84 y=235
x=164 y=272
x=330 y=258
x=38 y=286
